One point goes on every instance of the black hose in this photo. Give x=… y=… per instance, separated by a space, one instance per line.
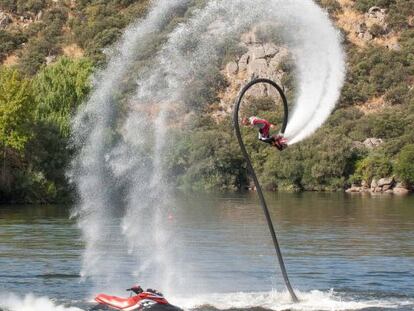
x=252 y=172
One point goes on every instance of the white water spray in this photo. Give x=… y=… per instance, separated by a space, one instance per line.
x=122 y=134
x=30 y=302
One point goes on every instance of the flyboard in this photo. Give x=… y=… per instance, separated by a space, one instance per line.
x=253 y=174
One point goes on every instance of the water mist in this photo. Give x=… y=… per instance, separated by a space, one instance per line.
x=121 y=134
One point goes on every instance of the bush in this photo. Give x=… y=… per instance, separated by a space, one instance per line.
x=16 y=107
x=332 y=6
x=30 y=5
x=398 y=95
x=399 y=13
x=8 y=5
x=404 y=166
x=376 y=30
x=32 y=60
x=364 y=5
x=374 y=166
x=10 y=41
x=209 y=159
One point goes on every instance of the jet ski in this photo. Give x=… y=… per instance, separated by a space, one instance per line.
x=150 y=300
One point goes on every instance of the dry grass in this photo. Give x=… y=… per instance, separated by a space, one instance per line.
x=73 y=51
x=373 y=105
x=11 y=60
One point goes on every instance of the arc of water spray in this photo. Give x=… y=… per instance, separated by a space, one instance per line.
x=191 y=50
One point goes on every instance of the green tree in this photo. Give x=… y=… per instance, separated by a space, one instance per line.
x=404 y=166
x=60 y=89
x=16 y=107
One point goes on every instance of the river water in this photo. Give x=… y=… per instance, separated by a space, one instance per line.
x=342 y=252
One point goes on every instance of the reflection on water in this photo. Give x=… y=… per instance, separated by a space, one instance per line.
x=361 y=246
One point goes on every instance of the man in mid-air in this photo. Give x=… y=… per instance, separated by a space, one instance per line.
x=264 y=127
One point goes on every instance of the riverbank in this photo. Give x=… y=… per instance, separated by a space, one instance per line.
x=383 y=185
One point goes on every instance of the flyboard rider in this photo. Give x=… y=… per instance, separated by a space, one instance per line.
x=264 y=126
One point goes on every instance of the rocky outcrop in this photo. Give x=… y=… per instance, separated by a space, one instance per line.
x=372 y=142
x=383 y=185
x=5 y=20
x=373 y=24
x=400 y=189
x=261 y=59
x=377 y=14
x=386 y=182
x=369 y=143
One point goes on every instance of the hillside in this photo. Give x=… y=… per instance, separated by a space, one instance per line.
x=48 y=50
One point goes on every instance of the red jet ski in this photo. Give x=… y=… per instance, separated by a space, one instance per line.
x=142 y=300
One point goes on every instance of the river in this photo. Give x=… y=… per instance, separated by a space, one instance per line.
x=342 y=252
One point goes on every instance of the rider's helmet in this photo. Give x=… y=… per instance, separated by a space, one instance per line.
x=245 y=121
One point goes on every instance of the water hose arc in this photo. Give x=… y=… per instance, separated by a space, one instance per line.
x=253 y=174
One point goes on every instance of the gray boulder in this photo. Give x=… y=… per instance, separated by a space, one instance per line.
x=258 y=52
x=249 y=38
x=401 y=185
x=232 y=68
x=270 y=49
x=400 y=191
x=385 y=188
x=361 y=28
x=367 y=36
x=244 y=61
x=372 y=142
x=401 y=188
x=374 y=183
x=394 y=47
x=378 y=189
x=257 y=67
x=386 y=182
x=354 y=188
x=377 y=13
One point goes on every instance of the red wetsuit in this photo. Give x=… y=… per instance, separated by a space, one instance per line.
x=263 y=126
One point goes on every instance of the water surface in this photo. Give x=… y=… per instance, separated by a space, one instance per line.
x=341 y=251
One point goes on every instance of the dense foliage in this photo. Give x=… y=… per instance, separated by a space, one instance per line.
x=50 y=26
x=34 y=122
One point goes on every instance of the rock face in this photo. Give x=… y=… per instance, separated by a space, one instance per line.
x=261 y=59
x=372 y=25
